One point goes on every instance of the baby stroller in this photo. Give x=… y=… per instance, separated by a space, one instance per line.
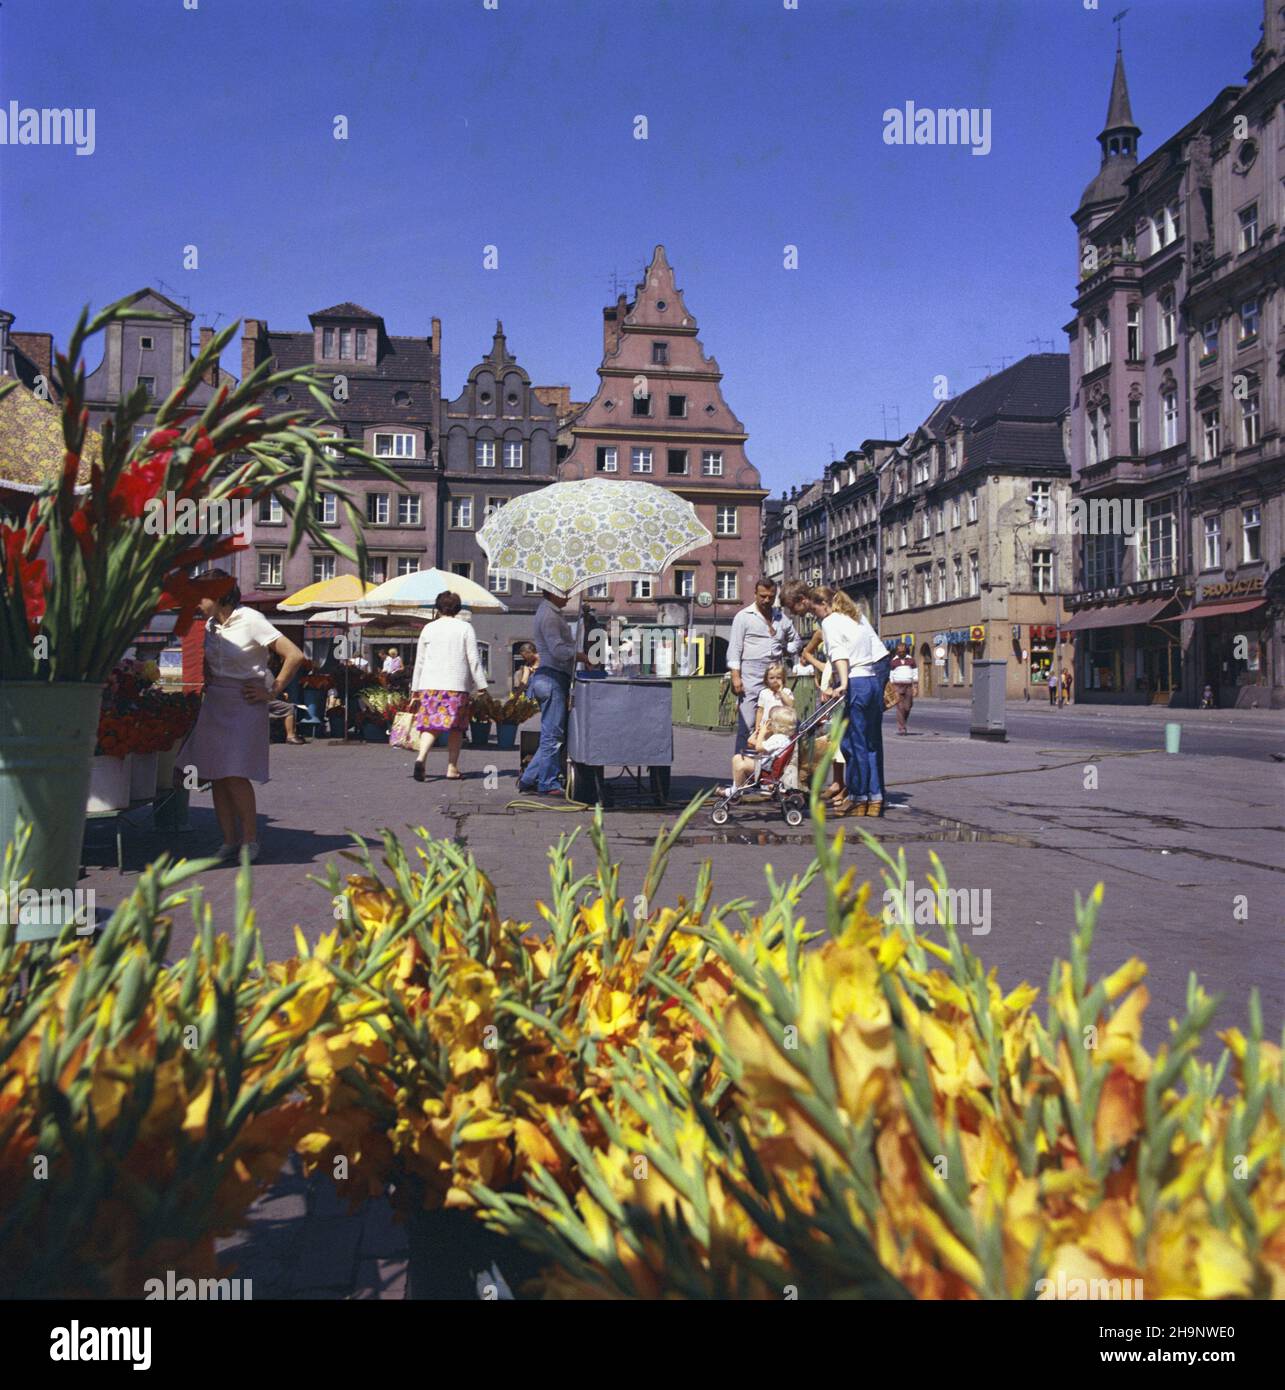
x=774 y=775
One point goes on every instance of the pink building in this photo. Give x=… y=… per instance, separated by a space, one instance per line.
x=659 y=416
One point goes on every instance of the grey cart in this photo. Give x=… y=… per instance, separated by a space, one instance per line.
x=619 y=721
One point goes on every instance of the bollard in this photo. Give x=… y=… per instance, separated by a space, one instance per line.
x=1173 y=736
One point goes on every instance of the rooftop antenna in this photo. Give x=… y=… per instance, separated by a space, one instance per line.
x=1118 y=21
x=978 y=367
x=618 y=286
x=174 y=294
x=1003 y=362
x=1039 y=343
x=895 y=412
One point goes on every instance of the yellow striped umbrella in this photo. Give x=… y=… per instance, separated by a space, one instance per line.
x=338 y=592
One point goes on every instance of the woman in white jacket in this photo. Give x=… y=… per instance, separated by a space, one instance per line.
x=448 y=669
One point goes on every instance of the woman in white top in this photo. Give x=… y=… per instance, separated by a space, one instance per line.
x=448 y=668
x=860 y=671
x=229 y=744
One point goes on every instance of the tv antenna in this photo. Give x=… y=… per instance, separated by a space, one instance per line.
x=1039 y=343
x=174 y=294
x=895 y=412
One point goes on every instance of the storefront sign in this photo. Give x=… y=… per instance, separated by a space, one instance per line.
x=1232 y=588
x=977 y=633
x=1144 y=588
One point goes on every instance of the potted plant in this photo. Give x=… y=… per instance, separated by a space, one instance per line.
x=481 y=712
x=89 y=566
x=508 y=715
x=379 y=707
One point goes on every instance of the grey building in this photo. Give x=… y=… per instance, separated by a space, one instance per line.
x=499 y=440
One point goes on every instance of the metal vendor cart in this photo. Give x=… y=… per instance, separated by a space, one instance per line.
x=624 y=721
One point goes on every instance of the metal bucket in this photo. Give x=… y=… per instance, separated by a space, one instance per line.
x=47 y=735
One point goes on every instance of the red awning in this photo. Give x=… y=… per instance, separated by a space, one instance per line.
x=1216 y=610
x=1121 y=615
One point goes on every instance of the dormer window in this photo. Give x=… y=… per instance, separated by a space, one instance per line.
x=401 y=397
x=343 y=344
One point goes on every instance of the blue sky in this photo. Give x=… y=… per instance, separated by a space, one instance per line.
x=514 y=127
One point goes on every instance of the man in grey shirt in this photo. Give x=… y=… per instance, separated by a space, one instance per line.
x=761 y=634
x=550 y=687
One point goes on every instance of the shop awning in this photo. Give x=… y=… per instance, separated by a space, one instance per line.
x=1121 y=615
x=1216 y=610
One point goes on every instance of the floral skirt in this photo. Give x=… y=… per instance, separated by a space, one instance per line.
x=442 y=711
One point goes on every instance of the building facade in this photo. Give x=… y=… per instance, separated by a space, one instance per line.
x=974 y=552
x=498 y=441
x=852 y=493
x=386 y=393
x=659 y=416
x=1175 y=412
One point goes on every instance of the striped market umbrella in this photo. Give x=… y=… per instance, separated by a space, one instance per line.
x=327 y=593
x=569 y=536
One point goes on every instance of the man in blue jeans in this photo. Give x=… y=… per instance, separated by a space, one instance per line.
x=550 y=686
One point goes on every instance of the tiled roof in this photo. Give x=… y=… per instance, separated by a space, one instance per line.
x=31 y=445
x=346 y=310
x=1036 y=388
x=405 y=364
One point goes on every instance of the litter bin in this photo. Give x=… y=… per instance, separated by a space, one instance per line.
x=989 y=685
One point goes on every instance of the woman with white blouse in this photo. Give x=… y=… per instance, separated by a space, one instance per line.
x=448 y=669
x=860 y=671
x=229 y=744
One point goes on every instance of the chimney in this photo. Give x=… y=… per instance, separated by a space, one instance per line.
x=611 y=320
x=253 y=331
x=211 y=374
x=39 y=347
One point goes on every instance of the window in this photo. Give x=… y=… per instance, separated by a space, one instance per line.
x=640 y=460
x=148 y=383
x=1134 y=333
x=1135 y=428
x=1168 y=321
x=920 y=465
x=972 y=507
x=529 y=588
x=329 y=513
x=660 y=354
x=146 y=343
x=1251 y=532
x=954 y=513
x=396 y=446
x=1160 y=534
x=1249 y=227
x=725 y=520
x=1248 y=321
x=407 y=564
x=1211 y=432
x=712 y=463
x=597 y=591
x=140 y=433
x=640 y=588
x=513 y=453
x=725 y=585
x=903 y=591
x=901 y=536
x=271 y=569
x=1099 y=435
x=345 y=342
x=957 y=577
x=941 y=520
x=1213 y=555
x=493 y=505
x=409 y=509
x=377 y=569
x=685 y=583
x=498 y=582
x=1250 y=422
x=323 y=567
x=327 y=342
x=361 y=344
x=1166 y=227
x=941 y=581
x=464 y=568
x=270 y=509
x=1168 y=419
x=1090 y=344
x=972 y=574
x=607 y=459
x=678 y=407
x=925 y=525
x=1209 y=339
x=485 y=453
x=1102 y=556
x=952 y=452
x=642 y=404
x=1041 y=500
x=377 y=508
x=1042 y=571
x=461 y=513
x=676 y=461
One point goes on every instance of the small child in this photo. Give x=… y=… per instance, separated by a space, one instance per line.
x=775 y=693
x=781 y=724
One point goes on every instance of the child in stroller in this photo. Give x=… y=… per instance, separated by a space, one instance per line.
x=775 y=773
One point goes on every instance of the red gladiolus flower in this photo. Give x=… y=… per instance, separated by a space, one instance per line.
x=137 y=485
x=82 y=526
x=159 y=439
x=27 y=575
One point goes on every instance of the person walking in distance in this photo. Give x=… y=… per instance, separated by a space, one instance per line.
x=448 y=669
x=905 y=677
x=1066 y=685
x=762 y=634
x=1052 y=688
x=550 y=687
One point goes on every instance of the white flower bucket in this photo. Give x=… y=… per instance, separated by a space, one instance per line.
x=142 y=776
x=109 y=783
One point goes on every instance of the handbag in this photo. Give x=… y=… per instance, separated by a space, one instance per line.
x=889 y=695
x=402 y=734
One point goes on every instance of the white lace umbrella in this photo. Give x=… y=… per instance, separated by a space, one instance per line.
x=568 y=536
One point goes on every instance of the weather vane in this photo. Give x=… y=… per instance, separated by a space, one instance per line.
x=1118 y=21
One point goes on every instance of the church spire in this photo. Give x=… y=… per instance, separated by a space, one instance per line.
x=1119 y=136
